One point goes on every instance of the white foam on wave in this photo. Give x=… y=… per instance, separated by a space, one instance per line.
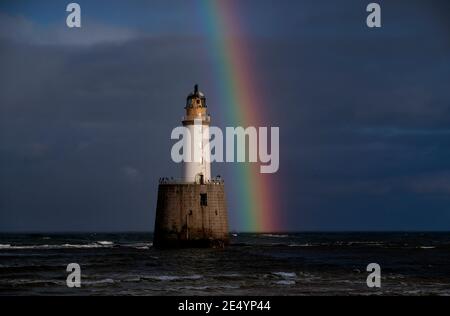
x=173 y=277
x=285 y=275
x=275 y=235
x=207 y=287
x=97 y=244
x=80 y=246
x=427 y=247
x=285 y=282
x=301 y=245
x=105 y=243
x=63 y=246
x=140 y=245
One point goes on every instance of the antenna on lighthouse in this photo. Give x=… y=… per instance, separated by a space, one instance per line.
x=196 y=88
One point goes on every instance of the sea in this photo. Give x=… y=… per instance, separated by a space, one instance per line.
x=253 y=264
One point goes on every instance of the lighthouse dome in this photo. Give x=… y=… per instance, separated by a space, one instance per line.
x=196 y=98
x=196 y=92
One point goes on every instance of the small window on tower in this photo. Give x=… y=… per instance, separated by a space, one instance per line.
x=203 y=199
x=198 y=101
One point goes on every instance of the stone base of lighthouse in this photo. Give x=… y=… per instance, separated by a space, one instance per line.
x=191 y=215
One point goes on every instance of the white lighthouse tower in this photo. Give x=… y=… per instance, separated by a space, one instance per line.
x=198 y=168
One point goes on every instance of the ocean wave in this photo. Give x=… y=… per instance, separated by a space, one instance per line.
x=369 y=243
x=206 y=287
x=228 y=275
x=62 y=246
x=140 y=245
x=285 y=282
x=285 y=275
x=99 y=282
x=105 y=243
x=97 y=244
x=132 y=279
x=275 y=235
x=301 y=245
x=35 y=282
x=338 y=243
x=173 y=277
x=93 y=245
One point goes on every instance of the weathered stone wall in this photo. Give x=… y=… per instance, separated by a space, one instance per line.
x=182 y=220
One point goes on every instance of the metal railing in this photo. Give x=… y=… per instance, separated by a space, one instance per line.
x=171 y=180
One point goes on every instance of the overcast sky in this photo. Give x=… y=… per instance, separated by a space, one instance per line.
x=86 y=115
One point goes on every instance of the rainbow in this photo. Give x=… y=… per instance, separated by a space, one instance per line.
x=236 y=88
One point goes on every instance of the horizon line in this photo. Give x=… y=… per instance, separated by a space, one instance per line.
x=231 y=232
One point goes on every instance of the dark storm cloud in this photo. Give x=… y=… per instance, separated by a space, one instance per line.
x=364 y=117
x=85 y=128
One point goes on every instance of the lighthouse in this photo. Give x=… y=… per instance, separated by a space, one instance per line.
x=191 y=211
x=197 y=168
